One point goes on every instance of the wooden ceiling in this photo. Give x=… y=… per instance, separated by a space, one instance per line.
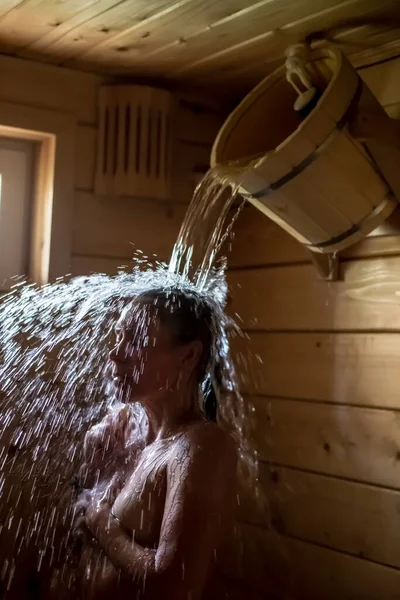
x=217 y=42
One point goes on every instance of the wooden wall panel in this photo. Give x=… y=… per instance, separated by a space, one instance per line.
x=114 y=227
x=293 y=569
x=85 y=157
x=53 y=88
x=107 y=230
x=383 y=80
x=85 y=265
x=190 y=161
x=295 y=298
x=321 y=509
x=362 y=369
x=258 y=241
x=197 y=122
x=362 y=444
x=324 y=361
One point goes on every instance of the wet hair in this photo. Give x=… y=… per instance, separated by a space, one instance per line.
x=191 y=317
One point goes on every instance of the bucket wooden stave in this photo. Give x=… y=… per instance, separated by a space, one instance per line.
x=312 y=177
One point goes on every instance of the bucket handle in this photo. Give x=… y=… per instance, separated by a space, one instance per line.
x=296 y=67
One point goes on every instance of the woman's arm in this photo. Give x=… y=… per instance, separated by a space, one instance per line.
x=105 y=445
x=200 y=485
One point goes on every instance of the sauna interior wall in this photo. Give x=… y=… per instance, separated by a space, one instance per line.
x=326 y=420
x=106 y=230
x=327 y=407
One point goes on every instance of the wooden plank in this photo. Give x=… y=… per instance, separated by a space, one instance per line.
x=231 y=43
x=189 y=163
x=393 y=110
x=8 y=5
x=364 y=46
x=33 y=19
x=102 y=22
x=384 y=46
x=351 y=442
x=85 y=157
x=114 y=227
x=44 y=86
x=195 y=123
x=293 y=298
x=384 y=81
x=224 y=587
x=294 y=569
x=40 y=46
x=248 y=69
x=164 y=29
x=86 y=265
x=375 y=246
x=258 y=241
x=208 y=38
x=361 y=369
x=343 y=515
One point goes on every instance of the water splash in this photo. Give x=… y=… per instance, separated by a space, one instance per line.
x=55 y=381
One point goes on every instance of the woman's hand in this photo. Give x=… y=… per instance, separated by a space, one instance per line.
x=110 y=435
x=98 y=515
x=79 y=529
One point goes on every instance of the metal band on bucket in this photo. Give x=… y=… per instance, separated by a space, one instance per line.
x=341 y=124
x=354 y=228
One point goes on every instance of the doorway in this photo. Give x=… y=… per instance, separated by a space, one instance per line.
x=16 y=203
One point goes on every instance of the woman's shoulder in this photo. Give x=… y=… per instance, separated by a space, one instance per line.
x=208 y=438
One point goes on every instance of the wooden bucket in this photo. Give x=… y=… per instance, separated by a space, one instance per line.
x=310 y=175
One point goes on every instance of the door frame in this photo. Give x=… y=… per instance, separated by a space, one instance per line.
x=53 y=193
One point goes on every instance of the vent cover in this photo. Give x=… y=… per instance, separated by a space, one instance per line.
x=134 y=147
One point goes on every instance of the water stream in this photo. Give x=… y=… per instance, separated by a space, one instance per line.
x=55 y=378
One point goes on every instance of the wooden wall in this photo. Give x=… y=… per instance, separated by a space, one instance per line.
x=324 y=379
x=106 y=230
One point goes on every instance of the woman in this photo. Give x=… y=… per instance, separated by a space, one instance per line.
x=164 y=476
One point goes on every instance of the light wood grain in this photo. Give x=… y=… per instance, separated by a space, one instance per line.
x=85 y=157
x=258 y=241
x=290 y=298
x=44 y=86
x=343 y=515
x=356 y=443
x=114 y=227
x=250 y=71
x=209 y=41
x=225 y=43
x=8 y=5
x=393 y=110
x=169 y=27
x=189 y=163
x=238 y=47
x=360 y=369
x=364 y=46
x=237 y=41
x=196 y=123
x=33 y=19
x=102 y=24
x=294 y=569
x=383 y=80
x=89 y=10
x=56 y=131
x=86 y=265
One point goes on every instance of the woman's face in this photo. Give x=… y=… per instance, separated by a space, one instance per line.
x=145 y=361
